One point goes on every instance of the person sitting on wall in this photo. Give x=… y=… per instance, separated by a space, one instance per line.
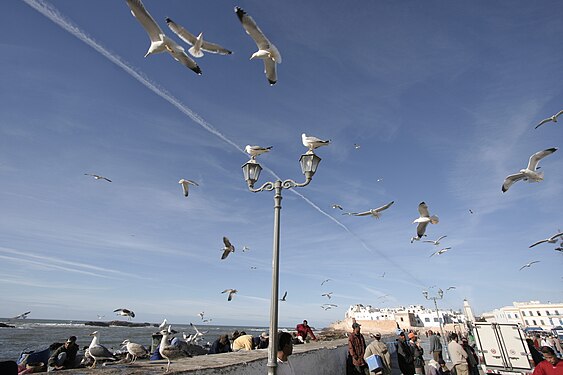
x=303 y=330
x=64 y=357
x=221 y=345
x=243 y=342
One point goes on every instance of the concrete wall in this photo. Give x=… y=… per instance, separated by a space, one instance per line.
x=382 y=326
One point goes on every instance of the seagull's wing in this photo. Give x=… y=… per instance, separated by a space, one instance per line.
x=107 y=179
x=284 y=295
x=192 y=182
x=384 y=207
x=535 y=158
x=145 y=19
x=182 y=33
x=423 y=210
x=182 y=57
x=434 y=253
x=429 y=241
x=559 y=114
x=365 y=213
x=420 y=229
x=252 y=29
x=537 y=243
x=226 y=253
x=543 y=122
x=535 y=261
x=185 y=187
x=270 y=70
x=440 y=238
x=509 y=180
x=227 y=242
x=554 y=237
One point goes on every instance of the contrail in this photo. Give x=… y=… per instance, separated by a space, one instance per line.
x=54 y=15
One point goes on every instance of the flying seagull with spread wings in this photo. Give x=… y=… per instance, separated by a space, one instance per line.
x=551 y=118
x=337 y=206
x=197 y=43
x=22 y=316
x=328 y=295
x=97 y=177
x=328 y=306
x=231 y=293
x=529 y=174
x=227 y=249
x=159 y=41
x=527 y=265
x=423 y=220
x=374 y=212
x=437 y=242
x=552 y=239
x=125 y=312
x=186 y=186
x=266 y=49
x=325 y=281
x=441 y=251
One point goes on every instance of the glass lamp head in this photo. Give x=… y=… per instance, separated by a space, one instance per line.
x=309 y=163
x=251 y=171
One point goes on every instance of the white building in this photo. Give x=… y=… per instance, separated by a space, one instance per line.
x=414 y=315
x=529 y=314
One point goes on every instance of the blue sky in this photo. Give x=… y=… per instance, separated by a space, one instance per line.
x=442 y=97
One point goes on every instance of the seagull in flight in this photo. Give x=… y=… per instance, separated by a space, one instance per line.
x=312 y=142
x=424 y=219
x=357 y=146
x=441 y=251
x=284 y=295
x=227 y=249
x=22 y=316
x=159 y=41
x=231 y=293
x=328 y=295
x=325 y=281
x=97 y=177
x=551 y=118
x=528 y=264
x=186 y=185
x=529 y=174
x=374 y=212
x=552 y=239
x=471 y=211
x=125 y=312
x=254 y=151
x=337 y=206
x=328 y=306
x=266 y=49
x=437 y=242
x=201 y=314
x=245 y=249
x=197 y=43
x=379 y=180
x=383 y=296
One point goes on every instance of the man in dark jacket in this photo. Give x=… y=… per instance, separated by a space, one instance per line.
x=405 y=355
x=435 y=345
x=64 y=357
x=221 y=345
x=356 y=349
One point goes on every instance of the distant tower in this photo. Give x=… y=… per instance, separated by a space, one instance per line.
x=468 y=312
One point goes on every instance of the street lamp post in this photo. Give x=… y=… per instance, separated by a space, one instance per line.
x=434 y=298
x=251 y=170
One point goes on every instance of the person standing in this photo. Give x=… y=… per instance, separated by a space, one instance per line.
x=435 y=345
x=418 y=353
x=285 y=349
x=458 y=356
x=303 y=330
x=357 y=349
x=472 y=359
x=64 y=357
x=405 y=355
x=551 y=366
x=379 y=348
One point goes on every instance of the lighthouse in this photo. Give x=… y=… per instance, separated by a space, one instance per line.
x=468 y=312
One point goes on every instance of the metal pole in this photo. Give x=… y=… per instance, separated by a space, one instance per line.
x=442 y=331
x=273 y=341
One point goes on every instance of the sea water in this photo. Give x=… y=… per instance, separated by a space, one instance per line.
x=38 y=334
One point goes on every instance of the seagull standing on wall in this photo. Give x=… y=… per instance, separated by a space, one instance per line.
x=266 y=49
x=197 y=43
x=159 y=41
x=529 y=174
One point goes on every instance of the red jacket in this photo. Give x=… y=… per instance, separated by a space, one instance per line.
x=303 y=331
x=546 y=368
x=357 y=348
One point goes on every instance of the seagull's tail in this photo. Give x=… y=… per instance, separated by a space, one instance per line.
x=434 y=219
x=195 y=52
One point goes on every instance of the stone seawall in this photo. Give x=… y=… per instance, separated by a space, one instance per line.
x=385 y=327
x=325 y=357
